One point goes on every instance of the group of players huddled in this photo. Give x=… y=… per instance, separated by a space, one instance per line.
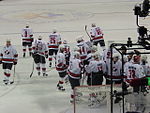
x=83 y=63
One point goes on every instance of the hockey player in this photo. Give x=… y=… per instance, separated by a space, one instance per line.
x=116 y=70
x=66 y=51
x=74 y=72
x=96 y=70
x=61 y=67
x=145 y=65
x=134 y=72
x=97 y=36
x=27 y=39
x=8 y=58
x=40 y=53
x=83 y=48
x=53 y=45
x=90 y=55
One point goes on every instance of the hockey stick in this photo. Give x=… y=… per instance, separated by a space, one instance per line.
x=83 y=78
x=85 y=28
x=32 y=69
x=13 y=75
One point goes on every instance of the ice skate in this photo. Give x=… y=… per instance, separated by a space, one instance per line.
x=24 y=54
x=50 y=64
x=39 y=73
x=44 y=74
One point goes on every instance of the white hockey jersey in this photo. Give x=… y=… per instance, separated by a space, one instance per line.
x=27 y=35
x=61 y=62
x=96 y=34
x=146 y=68
x=134 y=71
x=106 y=54
x=83 y=49
x=66 y=49
x=74 y=69
x=39 y=47
x=54 y=41
x=8 y=54
x=116 y=70
x=96 y=66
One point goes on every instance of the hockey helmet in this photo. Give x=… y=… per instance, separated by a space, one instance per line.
x=116 y=55
x=61 y=47
x=65 y=42
x=144 y=58
x=27 y=25
x=93 y=25
x=79 y=38
x=76 y=54
x=54 y=30
x=40 y=37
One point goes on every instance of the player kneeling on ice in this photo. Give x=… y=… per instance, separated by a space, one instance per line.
x=8 y=58
x=74 y=72
x=61 y=67
x=96 y=70
x=40 y=53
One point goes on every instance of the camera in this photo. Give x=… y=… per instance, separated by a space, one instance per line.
x=142 y=9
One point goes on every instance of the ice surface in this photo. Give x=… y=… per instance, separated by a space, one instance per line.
x=38 y=94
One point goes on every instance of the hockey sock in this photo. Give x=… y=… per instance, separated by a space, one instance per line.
x=24 y=49
x=50 y=61
x=43 y=68
x=38 y=67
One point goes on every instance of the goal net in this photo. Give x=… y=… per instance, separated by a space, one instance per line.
x=94 y=99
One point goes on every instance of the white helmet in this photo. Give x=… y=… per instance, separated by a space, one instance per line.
x=116 y=55
x=65 y=42
x=93 y=25
x=76 y=54
x=79 y=38
x=54 y=30
x=94 y=48
x=144 y=58
x=27 y=24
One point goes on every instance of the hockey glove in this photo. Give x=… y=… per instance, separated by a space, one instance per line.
x=46 y=55
x=15 y=63
x=0 y=61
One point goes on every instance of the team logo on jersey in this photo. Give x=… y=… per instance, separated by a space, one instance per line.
x=7 y=52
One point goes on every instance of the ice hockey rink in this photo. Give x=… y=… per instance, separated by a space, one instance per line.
x=39 y=94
